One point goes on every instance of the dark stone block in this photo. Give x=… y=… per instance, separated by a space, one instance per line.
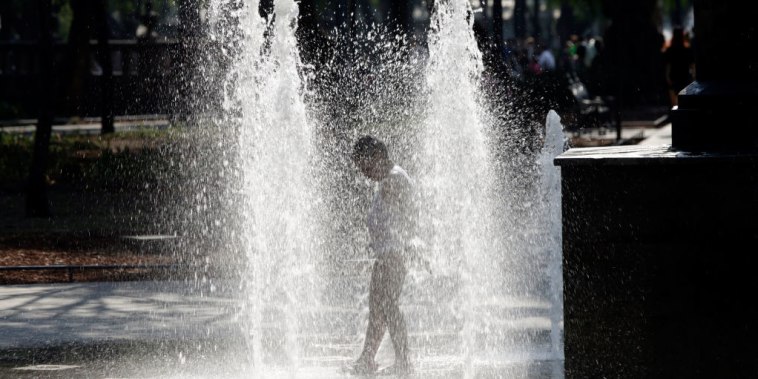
x=658 y=273
x=716 y=116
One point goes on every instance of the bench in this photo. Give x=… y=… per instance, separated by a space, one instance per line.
x=590 y=112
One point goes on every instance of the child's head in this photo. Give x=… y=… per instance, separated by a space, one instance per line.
x=371 y=157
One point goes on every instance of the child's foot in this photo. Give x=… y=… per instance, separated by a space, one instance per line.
x=399 y=369
x=361 y=367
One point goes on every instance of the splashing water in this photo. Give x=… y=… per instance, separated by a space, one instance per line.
x=305 y=303
x=456 y=179
x=550 y=193
x=275 y=163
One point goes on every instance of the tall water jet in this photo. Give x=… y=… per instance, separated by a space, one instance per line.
x=476 y=245
x=457 y=180
x=265 y=103
x=550 y=216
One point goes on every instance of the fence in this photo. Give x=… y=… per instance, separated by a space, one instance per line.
x=147 y=76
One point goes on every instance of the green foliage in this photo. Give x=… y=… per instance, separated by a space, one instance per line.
x=127 y=161
x=142 y=133
x=8 y=110
x=15 y=156
x=65 y=16
x=670 y=5
x=122 y=6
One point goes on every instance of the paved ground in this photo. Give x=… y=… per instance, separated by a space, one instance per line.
x=659 y=136
x=632 y=133
x=54 y=315
x=174 y=329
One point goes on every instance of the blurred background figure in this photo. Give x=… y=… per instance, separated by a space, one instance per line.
x=546 y=58
x=680 y=64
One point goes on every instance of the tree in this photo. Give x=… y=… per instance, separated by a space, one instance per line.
x=78 y=54
x=519 y=19
x=497 y=20
x=311 y=41
x=90 y=20
x=189 y=28
x=103 y=35
x=536 y=27
x=566 y=24
x=676 y=13
x=399 y=16
x=37 y=204
x=633 y=47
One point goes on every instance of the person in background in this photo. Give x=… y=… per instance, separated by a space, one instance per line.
x=680 y=64
x=546 y=59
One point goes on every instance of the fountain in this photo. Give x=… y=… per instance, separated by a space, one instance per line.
x=297 y=204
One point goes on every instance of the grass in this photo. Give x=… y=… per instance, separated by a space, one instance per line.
x=115 y=160
x=96 y=184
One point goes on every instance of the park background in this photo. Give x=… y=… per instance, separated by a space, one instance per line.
x=94 y=96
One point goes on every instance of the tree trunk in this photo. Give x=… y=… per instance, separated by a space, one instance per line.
x=309 y=38
x=37 y=204
x=566 y=24
x=352 y=13
x=676 y=14
x=519 y=19
x=149 y=18
x=79 y=58
x=497 y=21
x=536 y=27
x=633 y=44
x=399 y=16
x=341 y=15
x=106 y=61
x=189 y=16
x=6 y=19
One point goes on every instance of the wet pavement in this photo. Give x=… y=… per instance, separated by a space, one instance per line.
x=182 y=329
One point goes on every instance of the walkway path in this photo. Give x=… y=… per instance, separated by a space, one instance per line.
x=44 y=315
x=195 y=331
x=660 y=136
